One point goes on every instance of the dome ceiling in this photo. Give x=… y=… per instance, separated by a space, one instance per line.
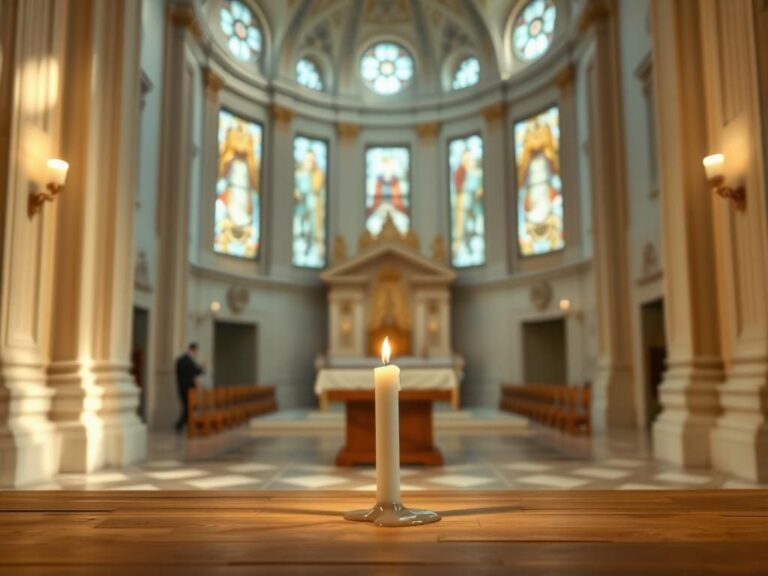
x=436 y=32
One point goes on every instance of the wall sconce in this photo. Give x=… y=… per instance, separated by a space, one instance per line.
x=213 y=312
x=566 y=308
x=714 y=166
x=57 y=176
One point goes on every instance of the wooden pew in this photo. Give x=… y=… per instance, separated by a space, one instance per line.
x=221 y=408
x=559 y=406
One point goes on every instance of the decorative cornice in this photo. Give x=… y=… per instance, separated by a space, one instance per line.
x=185 y=17
x=213 y=82
x=494 y=112
x=347 y=131
x=281 y=115
x=594 y=12
x=428 y=131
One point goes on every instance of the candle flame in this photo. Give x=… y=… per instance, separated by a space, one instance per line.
x=386 y=351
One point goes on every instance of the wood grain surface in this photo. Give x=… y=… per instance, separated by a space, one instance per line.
x=574 y=533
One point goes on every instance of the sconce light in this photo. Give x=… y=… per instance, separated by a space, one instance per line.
x=213 y=311
x=714 y=166
x=57 y=176
x=567 y=309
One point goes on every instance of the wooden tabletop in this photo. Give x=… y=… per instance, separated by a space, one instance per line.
x=189 y=533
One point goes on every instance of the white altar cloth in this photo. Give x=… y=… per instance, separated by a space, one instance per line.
x=362 y=379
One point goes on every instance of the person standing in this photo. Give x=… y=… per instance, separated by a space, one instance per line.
x=187 y=371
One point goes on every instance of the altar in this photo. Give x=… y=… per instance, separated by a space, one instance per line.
x=389 y=289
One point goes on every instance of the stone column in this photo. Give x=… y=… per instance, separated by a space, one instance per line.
x=429 y=206
x=688 y=392
x=96 y=398
x=612 y=390
x=169 y=325
x=279 y=207
x=500 y=244
x=732 y=32
x=31 y=40
x=350 y=214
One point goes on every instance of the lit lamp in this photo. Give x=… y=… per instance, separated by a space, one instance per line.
x=57 y=177
x=213 y=311
x=567 y=309
x=714 y=166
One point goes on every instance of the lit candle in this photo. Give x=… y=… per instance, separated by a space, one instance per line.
x=387 y=387
x=714 y=166
x=57 y=171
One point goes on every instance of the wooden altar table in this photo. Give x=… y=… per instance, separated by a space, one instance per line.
x=416 y=429
x=569 y=533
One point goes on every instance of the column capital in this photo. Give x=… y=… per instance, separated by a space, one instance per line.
x=347 y=131
x=428 y=130
x=494 y=112
x=595 y=11
x=564 y=78
x=185 y=17
x=213 y=83
x=281 y=115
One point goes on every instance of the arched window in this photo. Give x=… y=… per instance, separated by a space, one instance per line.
x=534 y=28
x=308 y=74
x=386 y=68
x=241 y=29
x=467 y=74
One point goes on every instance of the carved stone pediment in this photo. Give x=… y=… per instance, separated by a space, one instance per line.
x=389 y=289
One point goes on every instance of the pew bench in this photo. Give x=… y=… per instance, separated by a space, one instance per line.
x=563 y=407
x=221 y=408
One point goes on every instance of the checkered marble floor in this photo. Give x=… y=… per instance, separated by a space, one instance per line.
x=532 y=459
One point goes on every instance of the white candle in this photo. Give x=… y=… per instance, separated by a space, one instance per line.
x=387 y=386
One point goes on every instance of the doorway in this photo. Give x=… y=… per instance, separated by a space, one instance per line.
x=544 y=352
x=139 y=348
x=654 y=355
x=235 y=354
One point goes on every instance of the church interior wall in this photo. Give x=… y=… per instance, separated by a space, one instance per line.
x=213 y=274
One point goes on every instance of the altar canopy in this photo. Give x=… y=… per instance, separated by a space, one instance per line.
x=389 y=289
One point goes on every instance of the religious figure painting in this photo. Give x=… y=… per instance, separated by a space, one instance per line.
x=236 y=226
x=388 y=187
x=539 y=186
x=465 y=162
x=310 y=158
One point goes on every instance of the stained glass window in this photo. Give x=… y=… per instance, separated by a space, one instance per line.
x=465 y=163
x=310 y=181
x=308 y=74
x=386 y=68
x=467 y=74
x=238 y=206
x=239 y=26
x=387 y=188
x=539 y=187
x=534 y=28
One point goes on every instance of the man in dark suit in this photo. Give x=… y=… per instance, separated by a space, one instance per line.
x=187 y=371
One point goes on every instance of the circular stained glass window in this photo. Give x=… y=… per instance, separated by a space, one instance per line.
x=386 y=68
x=240 y=28
x=534 y=28
x=308 y=74
x=467 y=74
